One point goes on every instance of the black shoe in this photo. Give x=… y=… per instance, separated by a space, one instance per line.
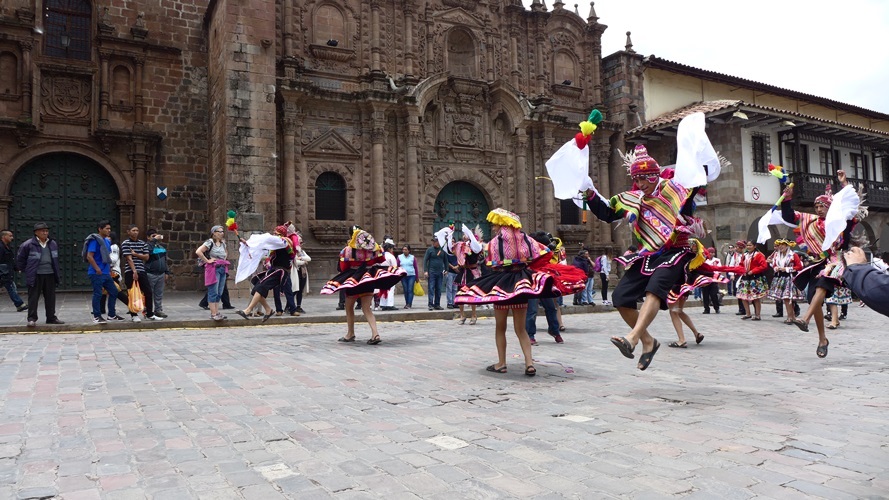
x=206 y=308
x=228 y=307
x=439 y=308
x=431 y=308
x=777 y=315
x=340 y=308
x=21 y=308
x=706 y=312
x=828 y=317
x=842 y=316
x=739 y=314
x=55 y=321
x=300 y=310
x=717 y=311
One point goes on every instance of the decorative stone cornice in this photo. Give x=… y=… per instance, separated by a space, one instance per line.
x=333 y=53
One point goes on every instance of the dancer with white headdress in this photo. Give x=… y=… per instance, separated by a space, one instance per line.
x=659 y=212
x=468 y=251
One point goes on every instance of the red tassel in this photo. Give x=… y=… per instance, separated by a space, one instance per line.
x=581 y=140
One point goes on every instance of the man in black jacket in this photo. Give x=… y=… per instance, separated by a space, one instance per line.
x=867 y=282
x=7 y=269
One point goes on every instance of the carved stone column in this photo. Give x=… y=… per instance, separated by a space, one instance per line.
x=378 y=177
x=541 y=70
x=287 y=34
x=375 y=36
x=549 y=198
x=139 y=160
x=600 y=157
x=430 y=38
x=408 y=39
x=288 y=184
x=489 y=45
x=5 y=201
x=514 y=56
x=412 y=182
x=140 y=65
x=521 y=174
x=27 y=78
x=104 y=90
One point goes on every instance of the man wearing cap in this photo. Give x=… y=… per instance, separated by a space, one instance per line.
x=39 y=258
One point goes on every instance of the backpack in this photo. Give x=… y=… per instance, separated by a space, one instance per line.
x=597 y=265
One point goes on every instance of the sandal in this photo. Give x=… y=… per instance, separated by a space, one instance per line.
x=788 y=321
x=802 y=325
x=677 y=344
x=757 y=318
x=699 y=339
x=746 y=317
x=242 y=314
x=493 y=368
x=624 y=345
x=530 y=371
x=266 y=317
x=473 y=320
x=562 y=328
x=463 y=321
x=832 y=327
x=346 y=339
x=646 y=357
x=374 y=340
x=822 y=350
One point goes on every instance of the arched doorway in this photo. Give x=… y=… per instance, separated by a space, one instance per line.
x=461 y=203
x=71 y=194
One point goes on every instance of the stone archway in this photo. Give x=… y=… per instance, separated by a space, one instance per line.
x=71 y=193
x=461 y=203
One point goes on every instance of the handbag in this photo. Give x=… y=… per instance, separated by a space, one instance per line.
x=418 y=289
x=136 y=302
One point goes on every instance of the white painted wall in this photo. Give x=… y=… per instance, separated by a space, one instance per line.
x=765 y=184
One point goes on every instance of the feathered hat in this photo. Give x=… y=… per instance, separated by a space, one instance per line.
x=639 y=162
x=503 y=217
x=827 y=198
x=361 y=239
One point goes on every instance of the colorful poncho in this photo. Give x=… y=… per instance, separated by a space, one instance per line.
x=655 y=218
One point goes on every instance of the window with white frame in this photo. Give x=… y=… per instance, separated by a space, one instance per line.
x=826 y=161
x=857 y=165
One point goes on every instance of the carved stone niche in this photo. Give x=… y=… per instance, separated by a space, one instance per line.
x=332 y=53
x=330 y=233
x=463 y=4
x=573 y=233
x=566 y=90
x=467 y=87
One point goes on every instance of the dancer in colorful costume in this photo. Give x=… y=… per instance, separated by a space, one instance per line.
x=468 y=251
x=520 y=270
x=279 y=262
x=786 y=263
x=360 y=273
x=825 y=233
x=659 y=211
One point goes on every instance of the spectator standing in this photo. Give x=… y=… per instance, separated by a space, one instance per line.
x=582 y=261
x=387 y=295
x=39 y=259
x=711 y=292
x=157 y=270
x=97 y=250
x=135 y=253
x=604 y=272
x=7 y=269
x=450 y=280
x=408 y=262
x=213 y=256
x=301 y=264
x=435 y=262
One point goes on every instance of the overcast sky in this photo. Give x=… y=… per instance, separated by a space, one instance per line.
x=835 y=50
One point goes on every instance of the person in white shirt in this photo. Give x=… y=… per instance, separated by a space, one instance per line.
x=711 y=291
x=604 y=272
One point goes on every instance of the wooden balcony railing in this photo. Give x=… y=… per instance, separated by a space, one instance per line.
x=806 y=187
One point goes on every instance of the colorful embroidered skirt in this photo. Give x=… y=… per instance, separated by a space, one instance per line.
x=841 y=295
x=782 y=288
x=752 y=288
x=693 y=281
x=361 y=280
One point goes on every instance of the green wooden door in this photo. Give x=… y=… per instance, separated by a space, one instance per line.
x=71 y=194
x=461 y=203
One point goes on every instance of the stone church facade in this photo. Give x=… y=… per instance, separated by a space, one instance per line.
x=398 y=115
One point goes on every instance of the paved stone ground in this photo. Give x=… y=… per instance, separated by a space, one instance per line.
x=284 y=411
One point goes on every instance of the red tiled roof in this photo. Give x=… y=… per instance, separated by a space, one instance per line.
x=710 y=107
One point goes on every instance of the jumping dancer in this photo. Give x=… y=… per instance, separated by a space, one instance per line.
x=825 y=233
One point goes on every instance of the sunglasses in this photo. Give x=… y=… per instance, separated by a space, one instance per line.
x=650 y=178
